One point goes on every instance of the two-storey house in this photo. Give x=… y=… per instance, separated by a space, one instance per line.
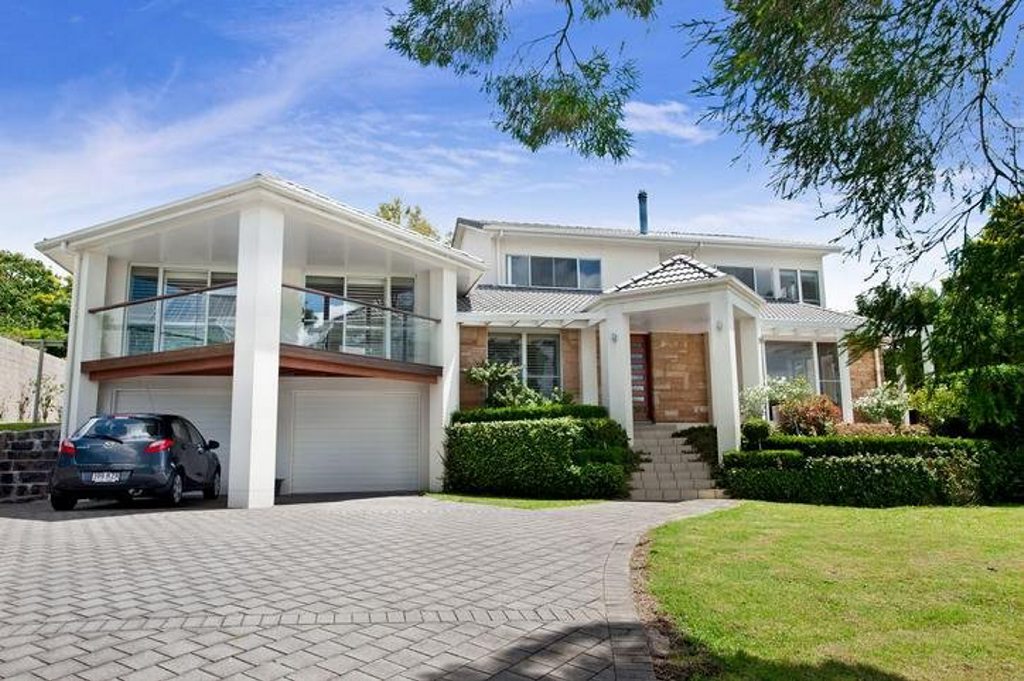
x=326 y=349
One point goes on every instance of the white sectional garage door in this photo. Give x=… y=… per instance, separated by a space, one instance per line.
x=210 y=410
x=356 y=441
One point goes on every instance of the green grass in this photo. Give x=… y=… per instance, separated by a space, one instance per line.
x=776 y=591
x=24 y=426
x=509 y=502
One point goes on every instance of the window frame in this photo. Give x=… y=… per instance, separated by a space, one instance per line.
x=510 y=270
x=775 y=275
x=524 y=338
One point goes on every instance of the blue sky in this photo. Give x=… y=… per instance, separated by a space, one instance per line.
x=110 y=107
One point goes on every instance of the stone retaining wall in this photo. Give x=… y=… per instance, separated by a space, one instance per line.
x=26 y=458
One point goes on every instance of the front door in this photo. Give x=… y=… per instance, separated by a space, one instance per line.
x=640 y=364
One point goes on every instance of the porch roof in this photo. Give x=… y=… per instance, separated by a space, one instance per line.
x=516 y=300
x=678 y=269
x=801 y=314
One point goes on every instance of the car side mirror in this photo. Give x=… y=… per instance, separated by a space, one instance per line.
x=212 y=444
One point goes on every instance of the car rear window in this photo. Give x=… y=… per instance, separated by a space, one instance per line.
x=121 y=427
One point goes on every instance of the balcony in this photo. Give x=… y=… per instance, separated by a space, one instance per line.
x=193 y=333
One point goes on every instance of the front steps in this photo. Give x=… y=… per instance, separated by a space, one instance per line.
x=674 y=472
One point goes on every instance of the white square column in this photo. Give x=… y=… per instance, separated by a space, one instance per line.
x=444 y=393
x=616 y=373
x=254 y=384
x=725 y=405
x=845 y=387
x=588 y=366
x=85 y=338
x=750 y=351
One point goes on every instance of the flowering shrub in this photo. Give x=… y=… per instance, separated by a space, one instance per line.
x=813 y=415
x=887 y=402
x=754 y=400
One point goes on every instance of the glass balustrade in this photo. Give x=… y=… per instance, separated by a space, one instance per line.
x=309 y=318
x=314 y=319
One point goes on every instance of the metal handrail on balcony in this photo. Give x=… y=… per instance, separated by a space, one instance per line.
x=157 y=299
x=363 y=303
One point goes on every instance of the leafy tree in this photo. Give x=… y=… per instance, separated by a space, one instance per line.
x=980 y=320
x=885 y=105
x=896 y=320
x=410 y=217
x=34 y=302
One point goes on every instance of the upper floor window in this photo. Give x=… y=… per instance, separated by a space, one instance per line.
x=551 y=272
x=793 y=285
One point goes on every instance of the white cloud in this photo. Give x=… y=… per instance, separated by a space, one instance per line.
x=670 y=118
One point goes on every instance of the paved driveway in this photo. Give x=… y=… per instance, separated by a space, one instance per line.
x=400 y=587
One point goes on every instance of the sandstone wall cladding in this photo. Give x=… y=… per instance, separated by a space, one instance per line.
x=864 y=376
x=679 y=373
x=570 y=342
x=472 y=351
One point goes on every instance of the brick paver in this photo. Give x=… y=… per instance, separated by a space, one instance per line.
x=387 y=588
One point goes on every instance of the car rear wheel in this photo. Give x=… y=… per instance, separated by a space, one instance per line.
x=212 y=491
x=62 y=502
x=176 y=490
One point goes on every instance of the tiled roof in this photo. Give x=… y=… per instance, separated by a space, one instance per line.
x=654 y=234
x=802 y=313
x=518 y=300
x=676 y=270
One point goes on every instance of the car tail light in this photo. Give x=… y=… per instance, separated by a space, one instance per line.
x=67 y=448
x=157 y=446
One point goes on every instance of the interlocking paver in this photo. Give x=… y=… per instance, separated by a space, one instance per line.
x=389 y=588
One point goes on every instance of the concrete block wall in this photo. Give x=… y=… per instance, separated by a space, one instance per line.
x=26 y=459
x=17 y=380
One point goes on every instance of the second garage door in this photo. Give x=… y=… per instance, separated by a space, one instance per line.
x=356 y=441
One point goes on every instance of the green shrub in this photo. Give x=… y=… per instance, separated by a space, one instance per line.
x=544 y=411
x=624 y=457
x=888 y=403
x=875 y=445
x=1001 y=473
x=542 y=458
x=755 y=432
x=874 y=481
x=763 y=458
x=812 y=415
x=601 y=481
x=704 y=440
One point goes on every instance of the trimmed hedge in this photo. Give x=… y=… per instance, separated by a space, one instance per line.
x=875 y=445
x=874 y=481
x=764 y=458
x=543 y=458
x=545 y=411
x=755 y=432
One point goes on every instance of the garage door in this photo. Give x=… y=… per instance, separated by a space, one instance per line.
x=356 y=441
x=210 y=410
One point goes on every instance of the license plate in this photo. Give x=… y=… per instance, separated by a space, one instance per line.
x=106 y=476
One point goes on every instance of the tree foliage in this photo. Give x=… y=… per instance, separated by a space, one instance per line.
x=410 y=217
x=34 y=302
x=879 y=107
x=897 y=321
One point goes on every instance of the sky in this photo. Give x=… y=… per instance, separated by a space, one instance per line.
x=109 y=107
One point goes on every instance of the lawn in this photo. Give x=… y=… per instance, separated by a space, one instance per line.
x=510 y=502
x=776 y=591
x=25 y=426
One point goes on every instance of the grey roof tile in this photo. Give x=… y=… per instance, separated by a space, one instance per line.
x=525 y=300
x=802 y=313
x=678 y=269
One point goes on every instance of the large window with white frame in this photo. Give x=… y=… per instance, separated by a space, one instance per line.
x=181 y=322
x=537 y=354
x=793 y=285
x=817 y=363
x=554 y=272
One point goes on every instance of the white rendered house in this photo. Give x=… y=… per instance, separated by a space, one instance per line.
x=326 y=348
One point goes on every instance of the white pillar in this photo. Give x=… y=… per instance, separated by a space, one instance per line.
x=845 y=386
x=750 y=351
x=254 y=385
x=725 y=406
x=444 y=394
x=588 y=366
x=86 y=337
x=616 y=374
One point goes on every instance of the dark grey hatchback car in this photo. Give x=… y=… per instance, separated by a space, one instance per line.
x=123 y=456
